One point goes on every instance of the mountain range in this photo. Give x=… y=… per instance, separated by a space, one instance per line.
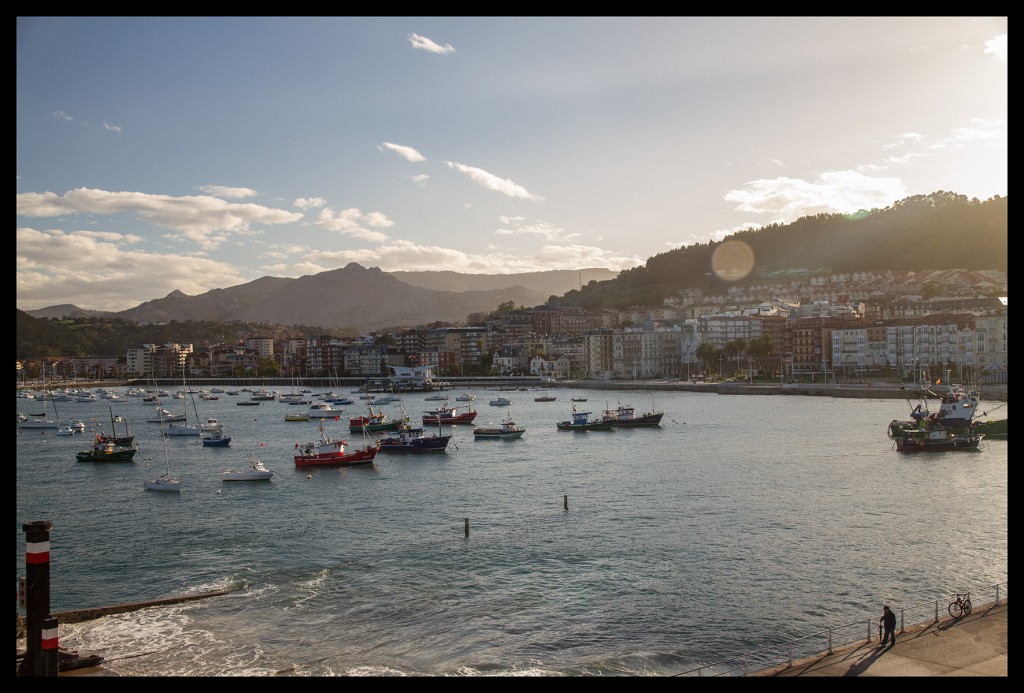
x=353 y=297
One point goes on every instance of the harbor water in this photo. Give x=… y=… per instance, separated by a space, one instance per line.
x=741 y=522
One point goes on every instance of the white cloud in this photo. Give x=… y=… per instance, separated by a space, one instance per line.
x=493 y=182
x=224 y=191
x=309 y=202
x=520 y=227
x=788 y=199
x=997 y=46
x=111 y=127
x=420 y=180
x=407 y=153
x=423 y=43
x=405 y=255
x=202 y=219
x=61 y=115
x=352 y=222
x=116 y=277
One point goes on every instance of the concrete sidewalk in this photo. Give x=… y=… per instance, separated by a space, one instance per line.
x=973 y=645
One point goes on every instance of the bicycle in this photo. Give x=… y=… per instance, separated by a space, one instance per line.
x=961 y=606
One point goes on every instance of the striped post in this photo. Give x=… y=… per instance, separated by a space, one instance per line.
x=37 y=595
x=49 y=652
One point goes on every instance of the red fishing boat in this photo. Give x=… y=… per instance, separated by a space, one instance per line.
x=447 y=416
x=328 y=452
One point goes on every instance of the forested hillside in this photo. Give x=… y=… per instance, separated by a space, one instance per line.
x=938 y=231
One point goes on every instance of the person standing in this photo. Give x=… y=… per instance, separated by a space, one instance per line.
x=888 y=621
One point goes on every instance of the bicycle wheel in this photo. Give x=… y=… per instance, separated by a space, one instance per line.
x=967 y=607
x=955 y=610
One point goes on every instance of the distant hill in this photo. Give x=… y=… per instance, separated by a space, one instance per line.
x=66 y=310
x=352 y=297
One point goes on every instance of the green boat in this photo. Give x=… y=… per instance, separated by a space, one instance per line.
x=992 y=429
x=106 y=452
x=376 y=422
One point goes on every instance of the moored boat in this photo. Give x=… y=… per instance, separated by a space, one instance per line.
x=256 y=471
x=507 y=429
x=625 y=415
x=500 y=402
x=216 y=439
x=581 y=421
x=414 y=440
x=958 y=410
x=938 y=439
x=329 y=452
x=106 y=452
x=448 y=416
x=374 y=422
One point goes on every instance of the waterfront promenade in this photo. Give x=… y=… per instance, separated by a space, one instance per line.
x=971 y=646
x=974 y=645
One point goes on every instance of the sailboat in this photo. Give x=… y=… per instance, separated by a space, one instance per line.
x=164 y=482
x=184 y=429
x=42 y=422
x=126 y=439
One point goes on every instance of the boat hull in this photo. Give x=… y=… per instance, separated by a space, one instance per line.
x=589 y=426
x=251 y=475
x=337 y=459
x=466 y=418
x=413 y=441
x=222 y=442
x=507 y=435
x=911 y=443
x=104 y=456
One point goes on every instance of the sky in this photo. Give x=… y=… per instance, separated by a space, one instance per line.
x=162 y=154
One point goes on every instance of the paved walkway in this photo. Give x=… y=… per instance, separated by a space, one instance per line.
x=973 y=645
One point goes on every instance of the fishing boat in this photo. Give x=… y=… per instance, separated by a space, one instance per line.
x=256 y=471
x=329 y=452
x=449 y=416
x=938 y=439
x=106 y=452
x=507 y=430
x=958 y=410
x=625 y=415
x=216 y=439
x=500 y=402
x=465 y=397
x=581 y=421
x=414 y=440
x=374 y=422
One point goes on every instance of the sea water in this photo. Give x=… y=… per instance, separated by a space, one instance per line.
x=743 y=521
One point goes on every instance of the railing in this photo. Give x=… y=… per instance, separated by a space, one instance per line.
x=823 y=641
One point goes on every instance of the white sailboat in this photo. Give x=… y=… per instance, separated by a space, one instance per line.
x=183 y=428
x=164 y=482
x=42 y=422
